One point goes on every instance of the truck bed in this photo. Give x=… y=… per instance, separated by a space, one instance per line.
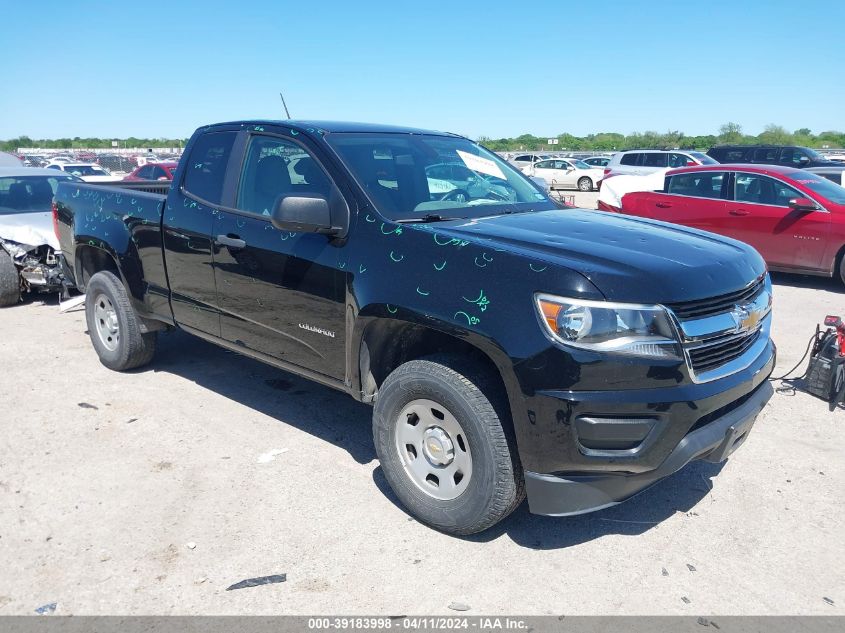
x=123 y=222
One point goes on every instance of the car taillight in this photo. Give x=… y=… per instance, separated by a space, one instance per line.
x=606 y=171
x=56 y=219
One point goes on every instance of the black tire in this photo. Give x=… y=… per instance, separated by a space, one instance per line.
x=585 y=184
x=841 y=267
x=132 y=348
x=10 y=281
x=496 y=486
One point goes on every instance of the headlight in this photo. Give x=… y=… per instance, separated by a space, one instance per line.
x=620 y=328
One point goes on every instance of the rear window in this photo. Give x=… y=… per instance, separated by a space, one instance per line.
x=630 y=159
x=29 y=194
x=703 y=158
x=206 y=166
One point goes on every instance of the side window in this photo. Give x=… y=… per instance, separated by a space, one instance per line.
x=701 y=185
x=629 y=159
x=275 y=167
x=144 y=172
x=157 y=173
x=766 y=155
x=678 y=160
x=562 y=164
x=655 y=159
x=759 y=189
x=523 y=158
x=792 y=156
x=544 y=164
x=734 y=156
x=206 y=166
x=54 y=167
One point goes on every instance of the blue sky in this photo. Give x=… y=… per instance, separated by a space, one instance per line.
x=478 y=68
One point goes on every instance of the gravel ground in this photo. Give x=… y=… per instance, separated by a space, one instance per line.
x=151 y=492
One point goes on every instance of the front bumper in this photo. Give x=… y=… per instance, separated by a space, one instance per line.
x=570 y=494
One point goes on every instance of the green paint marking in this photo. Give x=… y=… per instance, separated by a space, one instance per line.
x=401 y=257
x=537 y=270
x=441 y=267
x=471 y=320
x=391 y=309
x=421 y=292
x=482 y=301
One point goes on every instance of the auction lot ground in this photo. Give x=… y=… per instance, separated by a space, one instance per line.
x=106 y=480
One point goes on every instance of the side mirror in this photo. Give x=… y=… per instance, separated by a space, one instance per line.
x=303 y=213
x=803 y=160
x=802 y=204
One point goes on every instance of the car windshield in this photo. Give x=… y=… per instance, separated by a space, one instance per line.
x=822 y=186
x=28 y=194
x=411 y=176
x=704 y=159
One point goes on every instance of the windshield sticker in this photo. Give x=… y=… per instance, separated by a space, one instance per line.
x=481 y=165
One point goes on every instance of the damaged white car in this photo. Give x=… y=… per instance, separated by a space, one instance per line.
x=29 y=249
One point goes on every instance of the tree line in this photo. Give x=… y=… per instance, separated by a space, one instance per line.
x=613 y=141
x=77 y=142
x=603 y=141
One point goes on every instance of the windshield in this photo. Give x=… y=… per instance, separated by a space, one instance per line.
x=822 y=186
x=412 y=175
x=704 y=159
x=28 y=194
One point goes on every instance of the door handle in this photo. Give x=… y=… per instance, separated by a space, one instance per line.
x=231 y=240
x=739 y=212
x=663 y=205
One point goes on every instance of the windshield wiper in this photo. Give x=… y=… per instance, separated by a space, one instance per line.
x=430 y=217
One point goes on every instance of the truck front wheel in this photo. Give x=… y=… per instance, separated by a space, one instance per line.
x=443 y=447
x=10 y=281
x=113 y=326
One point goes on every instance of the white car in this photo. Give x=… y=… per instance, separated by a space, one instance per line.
x=89 y=172
x=567 y=173
x=640 y=162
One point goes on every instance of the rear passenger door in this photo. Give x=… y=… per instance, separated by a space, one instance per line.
x=694 y=199
x=189 y=215
x=761 y=217
x=281 y=293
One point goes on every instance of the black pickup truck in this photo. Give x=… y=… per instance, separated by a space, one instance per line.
x=508 y=346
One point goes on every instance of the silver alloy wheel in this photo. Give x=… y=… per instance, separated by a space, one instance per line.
x=105 y=320
x=585 y=184
x=433 y=449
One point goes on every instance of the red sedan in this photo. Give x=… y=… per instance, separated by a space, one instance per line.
x=154 y=171
x=794 y=218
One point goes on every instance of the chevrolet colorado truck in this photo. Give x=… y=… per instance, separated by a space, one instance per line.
x=509 y=347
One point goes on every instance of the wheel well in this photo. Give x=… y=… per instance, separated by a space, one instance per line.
x=388 y=344
x=90 y=260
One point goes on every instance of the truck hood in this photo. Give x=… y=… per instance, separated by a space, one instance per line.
x=628 y=259
x=29 y=229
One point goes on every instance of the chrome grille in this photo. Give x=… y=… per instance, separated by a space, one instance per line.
x=716 y=305
x=719 y=351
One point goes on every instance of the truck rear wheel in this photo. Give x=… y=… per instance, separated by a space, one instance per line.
x=10 y=281
x=113 y=326
x=443 y=447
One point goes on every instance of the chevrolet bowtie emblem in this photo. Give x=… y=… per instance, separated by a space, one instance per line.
x=745 y=318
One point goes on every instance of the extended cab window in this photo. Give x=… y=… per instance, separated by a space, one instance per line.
x=701 y=185
x=758 y=189
x=206 y=166
x=276 y=167
x=630 y=159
